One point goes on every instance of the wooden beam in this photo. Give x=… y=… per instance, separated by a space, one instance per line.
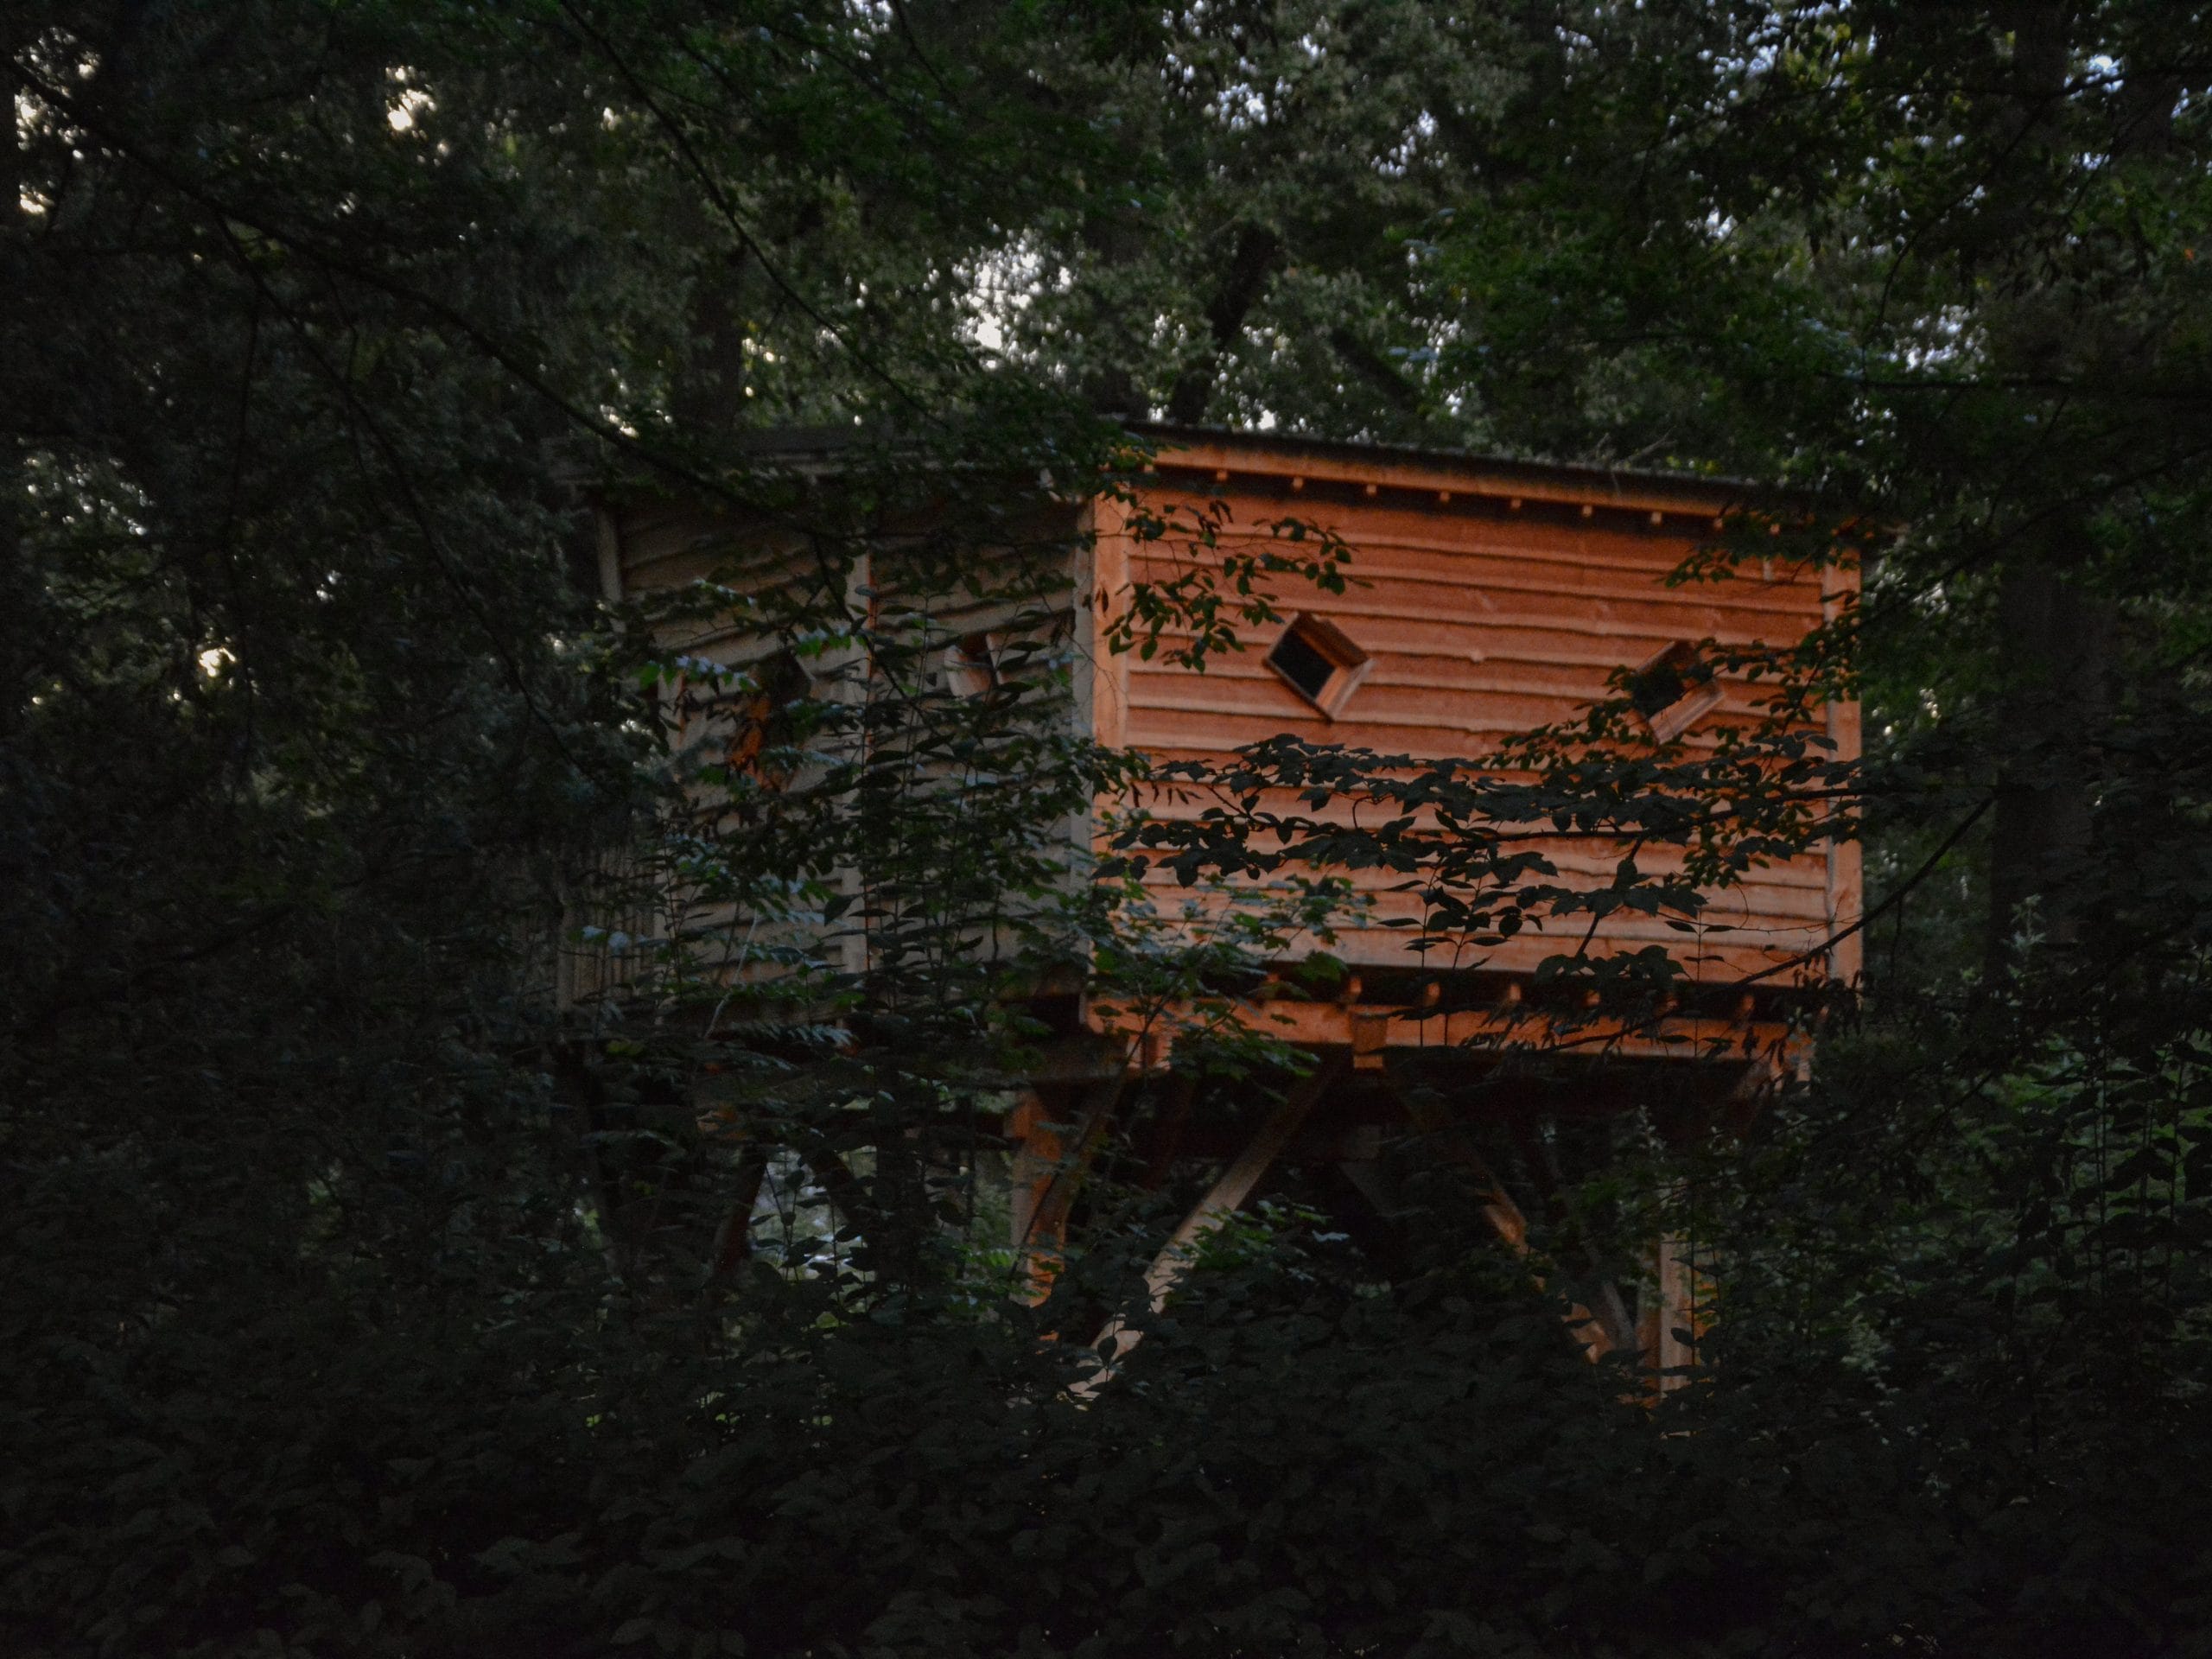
x=1245 y=1172
x=1257 y=459
x=1595 y=1336
x=1374 y=1028
x=1237 y=1183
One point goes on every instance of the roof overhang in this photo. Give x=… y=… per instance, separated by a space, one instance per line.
x=1294 y=464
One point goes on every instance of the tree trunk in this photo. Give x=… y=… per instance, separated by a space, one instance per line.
x=1251 y=263
x=2056 y=633
x=2055 y=639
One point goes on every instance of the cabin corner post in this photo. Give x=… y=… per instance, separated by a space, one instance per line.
x=1846 y=891
x=608 y=529
x=1052 y=1157
x=1103 y=592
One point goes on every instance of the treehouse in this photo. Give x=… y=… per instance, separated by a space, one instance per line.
x=1245 y=588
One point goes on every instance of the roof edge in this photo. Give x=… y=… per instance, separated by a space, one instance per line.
x=1359 y=461
x=826 y=449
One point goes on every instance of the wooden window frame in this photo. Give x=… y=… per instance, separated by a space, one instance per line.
x=1349 y=664
x=762 y=720
x=971 y=664
x=1699 y=698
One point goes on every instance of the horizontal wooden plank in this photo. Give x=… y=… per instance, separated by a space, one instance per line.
x=1415 y=544
x=1424 y=647
x=1489 y=702
x=1733 y=917
x=1591 y=862
x=1445 y=736
x=1712 y=963
x=1443 y=723
x=1597 y=545
x=1440 y=615
x=1776 y=896
x=1326 y=1025
x=1558 y=566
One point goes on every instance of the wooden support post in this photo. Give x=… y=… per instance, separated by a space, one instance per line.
x=1049 y=1168
x=1037 y=1153
x=1370 y=1040
x=1674 y=1347
x=733 y=1239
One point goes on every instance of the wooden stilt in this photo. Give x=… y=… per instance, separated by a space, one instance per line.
x=734 y=1238
x=1674 y=1347
x=1049 y=1162
x=1038 y=1149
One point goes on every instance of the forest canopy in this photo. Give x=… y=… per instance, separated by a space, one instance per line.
x=380 y=1284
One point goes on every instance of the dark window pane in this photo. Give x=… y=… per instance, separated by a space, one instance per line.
x=1303 y=666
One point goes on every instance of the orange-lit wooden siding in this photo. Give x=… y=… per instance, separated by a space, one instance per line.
x=1490 y=605
x=1504 y=607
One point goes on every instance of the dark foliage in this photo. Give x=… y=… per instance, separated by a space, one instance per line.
x=377 y=1286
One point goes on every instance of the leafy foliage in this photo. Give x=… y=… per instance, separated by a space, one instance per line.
x=468 y=1190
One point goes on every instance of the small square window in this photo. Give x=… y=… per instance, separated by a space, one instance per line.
x=765 y=720
x=1315 y=658
x=1674 y=690
x=971 y=664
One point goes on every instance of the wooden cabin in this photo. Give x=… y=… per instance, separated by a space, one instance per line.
x=1488 y=597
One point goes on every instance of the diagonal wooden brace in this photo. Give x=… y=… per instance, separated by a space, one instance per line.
x=1597 y=1335
x=1237 y=1183
x=1243 y=1174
